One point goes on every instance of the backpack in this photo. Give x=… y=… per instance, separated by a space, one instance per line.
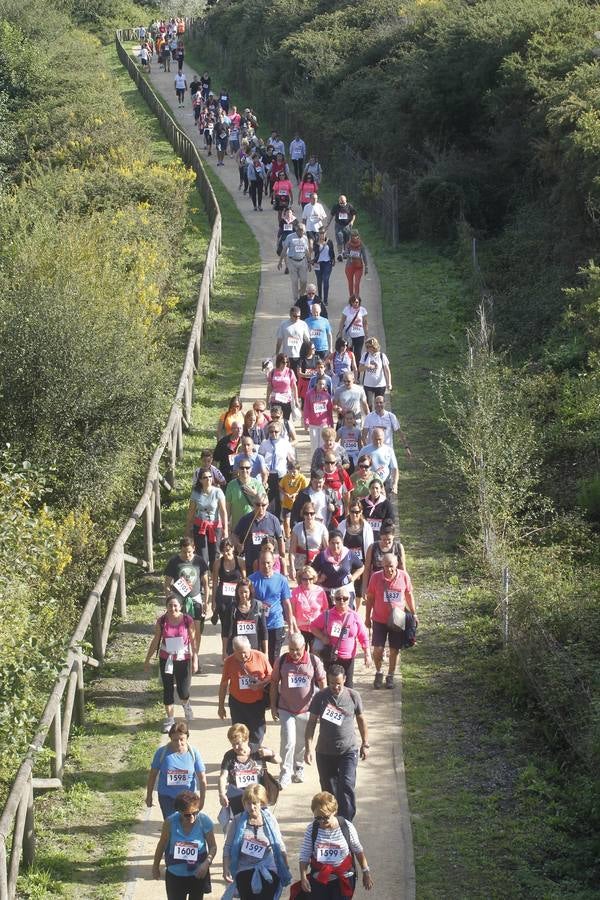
x=345 y=831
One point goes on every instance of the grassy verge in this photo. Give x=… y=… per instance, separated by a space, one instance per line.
x=84 y=833
x=493 y=813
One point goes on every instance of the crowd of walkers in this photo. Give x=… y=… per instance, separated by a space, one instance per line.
x=298 y=563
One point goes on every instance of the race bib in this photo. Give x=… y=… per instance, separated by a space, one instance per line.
x=375 y=524
x=343 y=217
x=332 y=714
x=336 y=629
x=231 y=459
x=182 y=586
x=329 y=853
x=177 y=778
x=358 y=552
x=282 y=193
x=288 y=227
x=185 y=851
x=320 y=408
x=355 y=254
x=296 y=680
x=245 y=627
x=175 y=646
x=351 y=446
x=245 y=777
x=299 y=248
x=294 y=342
x=315 y=333
x=247 y=683
x=254 y=848
x=393 y=596
x=356 y=329
x=258 y=537
x=228 y=588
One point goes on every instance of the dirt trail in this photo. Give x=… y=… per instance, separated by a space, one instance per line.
x=383 y=818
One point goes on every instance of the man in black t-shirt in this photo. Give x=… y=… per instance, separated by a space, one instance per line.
x=344 y=214
x=335 y=708
x=186 y=577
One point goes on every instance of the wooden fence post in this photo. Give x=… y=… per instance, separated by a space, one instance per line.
x=29 y=830
x=80 y=693
x=122 y=589
x=148 y=543
x=56 y=743
x=157 y=508
x=97 y=631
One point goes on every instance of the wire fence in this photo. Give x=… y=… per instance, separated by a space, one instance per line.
x=552 y=674
x=66 y=702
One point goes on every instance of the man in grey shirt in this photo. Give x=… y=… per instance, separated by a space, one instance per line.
x=350 y=397
x=335 y=708
x=296 y=251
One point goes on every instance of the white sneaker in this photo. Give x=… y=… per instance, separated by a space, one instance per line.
x=188 y=711
x=298 y=776
x=284 y=781
x=167 y=725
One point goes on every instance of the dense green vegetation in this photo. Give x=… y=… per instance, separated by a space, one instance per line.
x=97 y=289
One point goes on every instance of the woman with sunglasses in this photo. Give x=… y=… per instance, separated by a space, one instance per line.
x=337 y=566
x=327 y=869
x=354 y=325
x=317 y=412
x=358 y=537
x=308 y=601
x=207 y=516
x=308 y=537
x=362 y=477
x=187 y=841
x=341 y=630
x=247 y=618
x=227 y=571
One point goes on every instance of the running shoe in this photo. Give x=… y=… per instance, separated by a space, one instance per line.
x=167 y=725
x=298 y=776
x=188 y=711
x=389 y=681
x=378 y=682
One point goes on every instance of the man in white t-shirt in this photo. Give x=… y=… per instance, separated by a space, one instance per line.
x=180 y=87
x=383 y=418
x=291 y=334
x=314 y=216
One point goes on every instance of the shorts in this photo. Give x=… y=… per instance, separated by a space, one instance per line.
x=379 y=634
x=199 y=613
x=286 y=513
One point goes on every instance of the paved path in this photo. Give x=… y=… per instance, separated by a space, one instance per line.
x=383 y=819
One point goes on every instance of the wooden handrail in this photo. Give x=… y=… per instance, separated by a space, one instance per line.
x=16 y=820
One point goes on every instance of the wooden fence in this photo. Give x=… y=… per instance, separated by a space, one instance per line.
x=66 y=703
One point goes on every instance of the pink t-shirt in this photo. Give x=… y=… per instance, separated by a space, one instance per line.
x=317 y=408
x=175 y=639
x=308 y=604
x=345 y=630
x=281 y=385
x=387 y=593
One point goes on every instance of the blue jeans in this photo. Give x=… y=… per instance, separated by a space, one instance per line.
x=323 y=274
x=337 y=775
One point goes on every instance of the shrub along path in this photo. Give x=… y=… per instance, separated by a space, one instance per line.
x=381 y=788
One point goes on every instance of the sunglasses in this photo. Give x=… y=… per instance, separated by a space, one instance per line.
x=330 y=462
x=309 y=514
x=363 y=465
x=341 y=599
x=191 y=815
x=306 y=578
x=244 y=468
x=355 y=511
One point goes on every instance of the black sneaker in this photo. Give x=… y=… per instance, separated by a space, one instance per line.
x=378 y=682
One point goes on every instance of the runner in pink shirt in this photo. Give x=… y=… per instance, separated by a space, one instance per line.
x=317 y=412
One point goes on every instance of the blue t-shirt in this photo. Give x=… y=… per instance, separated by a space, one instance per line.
x=186 y=851
x=318 y=329
x=271 y=591
x=177 y=771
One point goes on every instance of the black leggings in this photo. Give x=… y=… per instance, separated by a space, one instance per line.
x=182 y=887
x=256 y=192
x=181 y=676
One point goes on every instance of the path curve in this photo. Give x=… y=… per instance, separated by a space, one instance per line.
x=383 y=817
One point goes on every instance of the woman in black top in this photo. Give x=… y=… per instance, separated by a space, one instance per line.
x=247 y=618
x=376 y=507
x=227 y=571
x=323 y=263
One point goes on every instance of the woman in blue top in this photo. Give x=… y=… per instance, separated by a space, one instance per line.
x=254 y=856
x=188 y=843
x=178 y=768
